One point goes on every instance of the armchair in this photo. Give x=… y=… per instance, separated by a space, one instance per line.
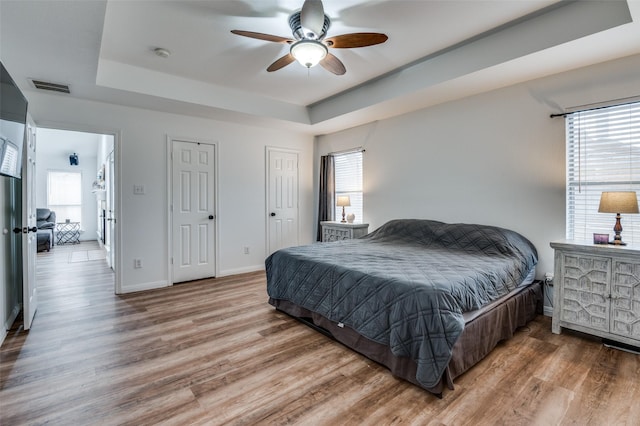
x=46 y=220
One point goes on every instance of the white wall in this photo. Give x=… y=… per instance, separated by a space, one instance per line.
x=494 y=158
x=143 y=160
x=478 y=160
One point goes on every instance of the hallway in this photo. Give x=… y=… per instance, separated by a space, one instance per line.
x=63 y=284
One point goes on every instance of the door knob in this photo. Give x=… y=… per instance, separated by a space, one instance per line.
x=25 y=230
x=210 y=217
x=272 y=214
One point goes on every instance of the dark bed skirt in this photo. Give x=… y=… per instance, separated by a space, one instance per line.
x=481 y=334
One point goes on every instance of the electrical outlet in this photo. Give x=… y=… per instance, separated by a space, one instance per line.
x=137 y=263
x=139 y=189
x=246 y=250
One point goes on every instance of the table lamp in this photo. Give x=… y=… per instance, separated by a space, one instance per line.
x=618 y=202
x=343 y=201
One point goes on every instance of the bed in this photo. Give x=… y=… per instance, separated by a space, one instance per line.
x=424 y=298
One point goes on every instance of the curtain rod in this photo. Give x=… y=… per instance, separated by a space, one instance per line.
x=627 y=101
x=347 y=151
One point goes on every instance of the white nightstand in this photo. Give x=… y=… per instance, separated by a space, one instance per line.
x=597 y=290
x=334 y=231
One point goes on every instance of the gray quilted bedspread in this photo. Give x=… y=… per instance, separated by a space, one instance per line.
x=406 y=284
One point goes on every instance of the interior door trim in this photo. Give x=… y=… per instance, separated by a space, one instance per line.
x=117 y=186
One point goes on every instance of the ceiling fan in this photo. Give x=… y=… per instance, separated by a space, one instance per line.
x=309 y=46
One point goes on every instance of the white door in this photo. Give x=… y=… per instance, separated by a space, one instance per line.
x=109 y=210
x=193 y=208
x=29 y=238
x=282 y=205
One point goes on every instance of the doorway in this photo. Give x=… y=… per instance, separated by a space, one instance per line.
x=76 y=179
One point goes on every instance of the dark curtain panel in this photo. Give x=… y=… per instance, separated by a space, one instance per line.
x=327 y=191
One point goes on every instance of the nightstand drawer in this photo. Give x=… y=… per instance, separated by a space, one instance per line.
x=335 y=231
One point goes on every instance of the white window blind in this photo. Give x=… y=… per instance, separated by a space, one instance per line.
x=603 y=154
x=64 y=195
x=348 y=175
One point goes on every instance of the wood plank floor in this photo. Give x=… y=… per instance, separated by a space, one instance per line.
x=214 y=352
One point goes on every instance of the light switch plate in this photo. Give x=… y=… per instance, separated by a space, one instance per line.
x=138 y=189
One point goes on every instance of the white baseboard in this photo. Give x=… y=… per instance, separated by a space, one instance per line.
x=12 y=317
x=548 y=311
x=161 y=284
x=9 y=323
x=143 y=286
x=244 y=270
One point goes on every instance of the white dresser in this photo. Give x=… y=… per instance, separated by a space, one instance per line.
x=597 y=290
x=334 y=231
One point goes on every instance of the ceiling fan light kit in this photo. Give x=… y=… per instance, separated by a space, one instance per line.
x=309 y=52
x=309 y=27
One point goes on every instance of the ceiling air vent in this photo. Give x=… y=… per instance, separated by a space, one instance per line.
x=54 y=87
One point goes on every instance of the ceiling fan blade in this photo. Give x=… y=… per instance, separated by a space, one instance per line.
x=262 y=36
x=312 y=16
x=346 y=41
x=333 y=64
x=281 y=63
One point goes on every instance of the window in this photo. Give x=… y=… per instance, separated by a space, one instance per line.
x=64 y=195
x=603 y=154
x=348 y=175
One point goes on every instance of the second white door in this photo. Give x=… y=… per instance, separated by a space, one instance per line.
x=282 y=199
x=193 y=208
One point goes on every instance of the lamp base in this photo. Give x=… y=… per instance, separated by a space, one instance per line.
x=617 y=239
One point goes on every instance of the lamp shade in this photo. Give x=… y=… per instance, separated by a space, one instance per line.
x=618 y=202
x=309 y=52
x=343 y=201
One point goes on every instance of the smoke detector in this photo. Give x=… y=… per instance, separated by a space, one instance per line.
x=162 y=52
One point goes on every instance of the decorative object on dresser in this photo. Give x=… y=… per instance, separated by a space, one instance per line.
x=351 y=217
x=600 y=238
x=597 y=290
x=334 y=231
x=618 y=202
x=343 y=201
